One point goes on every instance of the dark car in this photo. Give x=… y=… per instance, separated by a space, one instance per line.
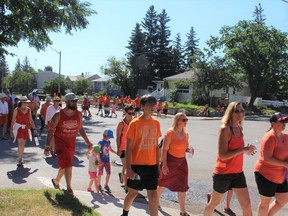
x=40 y=93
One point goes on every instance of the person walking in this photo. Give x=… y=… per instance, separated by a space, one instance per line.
x=121 y=131
x=271 y=167
x=21 y=126
x=65 y=126
x=142 y=156
x=174 y=164
x=4 y=110
x=228 y=172
x=105 y=148
x=94 y=160
x=42 y=115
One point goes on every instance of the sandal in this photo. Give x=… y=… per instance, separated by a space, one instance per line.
x=184 y=214
x=54 y=185
x=70 y=192
x=229 y=212
x=20 y=163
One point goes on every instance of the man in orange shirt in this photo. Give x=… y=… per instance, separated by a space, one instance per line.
x=137 y=106
x=142 y=156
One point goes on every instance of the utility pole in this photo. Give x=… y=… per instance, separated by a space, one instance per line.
x=59 y=52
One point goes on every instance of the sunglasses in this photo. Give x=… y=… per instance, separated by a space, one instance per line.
x=130 y=113
x=239 y=111
x=184 y=120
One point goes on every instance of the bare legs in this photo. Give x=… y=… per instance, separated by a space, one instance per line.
x=21 y=145
x=266 y=208
x=68 y=176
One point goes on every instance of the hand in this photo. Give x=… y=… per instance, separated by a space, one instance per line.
x=89 y=144
x=47 y=151
x=130 y=173
x=119 y=152
x=250 y=149
x=165 y=169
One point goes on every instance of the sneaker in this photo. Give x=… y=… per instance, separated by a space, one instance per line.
x=184 y=214
x=107 y=188
x=229 y=212
x=90 y=190
x=20 y=163
x=100 y=188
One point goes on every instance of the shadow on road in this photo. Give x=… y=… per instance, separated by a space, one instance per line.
x=19 y=175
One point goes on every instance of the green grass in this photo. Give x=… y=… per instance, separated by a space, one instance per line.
x=41 y=202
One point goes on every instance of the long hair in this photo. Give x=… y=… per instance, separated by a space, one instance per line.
x=227 y=118
x=175 y=119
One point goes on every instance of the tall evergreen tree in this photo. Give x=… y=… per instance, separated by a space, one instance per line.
x=137 y=61
x=178 y=55
x=258 y=15
x=4 y=70
x=163 y=62
x=191 y=46
x=150 y=25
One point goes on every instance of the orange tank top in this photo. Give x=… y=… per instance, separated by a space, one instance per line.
x=23 y=118
x=178 y=146
x=232 y=165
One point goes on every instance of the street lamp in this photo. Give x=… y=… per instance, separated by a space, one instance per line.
x=59 y=52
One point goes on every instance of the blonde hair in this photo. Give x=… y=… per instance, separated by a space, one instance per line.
x=175 y=119
x=227 y=118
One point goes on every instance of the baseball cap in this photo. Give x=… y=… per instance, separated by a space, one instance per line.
x=96 y=148
x=109 y=133
x=278 y=117
x=70 y=97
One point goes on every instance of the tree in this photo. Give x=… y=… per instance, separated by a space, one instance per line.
x=178 y=55
x=33 y=20
x=4 y=71
x=259 y=16
x=137 y=60
x=48 y=68
x=82 y=85
x=191 y=46
x=258 y=51
x=22 y=81
x=120 y=75
x=51 y=86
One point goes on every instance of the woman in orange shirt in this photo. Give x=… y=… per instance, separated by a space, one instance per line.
x=174 y=164
x=271 y=167
x=228 y=172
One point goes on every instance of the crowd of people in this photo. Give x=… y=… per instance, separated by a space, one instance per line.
x=146 y=164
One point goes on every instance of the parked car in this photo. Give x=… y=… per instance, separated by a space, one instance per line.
x=40 y=92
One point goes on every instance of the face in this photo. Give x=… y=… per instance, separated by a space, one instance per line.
x=129 y=114
x=182 y=120
x=72 y=105
x=279 y=125
x=149 y=108
x=239 y=112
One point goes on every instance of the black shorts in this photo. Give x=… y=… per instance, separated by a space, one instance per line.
x=267 y=188
x=148 y=177
x=165 y=111
x=225 y=182
x=122 y=154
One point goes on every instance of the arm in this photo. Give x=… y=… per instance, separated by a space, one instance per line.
x=269 y=158
x=223 y=138
x=118 y=136
x=13 y=122
x=83 y=133
x=129 y=173
x=167 y=142
x=53 y=123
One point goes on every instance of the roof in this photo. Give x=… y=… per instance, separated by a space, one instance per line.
x=103 y=79
x=75 y=78
x=181 y=76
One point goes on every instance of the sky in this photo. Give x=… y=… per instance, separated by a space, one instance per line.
x=110 y=30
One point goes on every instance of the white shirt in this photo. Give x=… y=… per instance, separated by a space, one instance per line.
x=51 y=110
x=4 y=107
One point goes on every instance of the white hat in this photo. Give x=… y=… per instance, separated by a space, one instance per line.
x=2 y=95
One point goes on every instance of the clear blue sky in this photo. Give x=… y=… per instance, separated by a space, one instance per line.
x=110 y=29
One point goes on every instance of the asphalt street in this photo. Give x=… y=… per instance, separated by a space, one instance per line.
x=38 y=170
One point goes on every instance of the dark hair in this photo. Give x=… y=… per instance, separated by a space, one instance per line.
x=126 y=108
x=148 y=99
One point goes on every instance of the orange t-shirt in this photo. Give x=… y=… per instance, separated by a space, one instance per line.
x=137 y=102
x=178 y=146
x=232 y=165
x=44 y=109
x=128 y=100
x=270 y=143
x=144 y=134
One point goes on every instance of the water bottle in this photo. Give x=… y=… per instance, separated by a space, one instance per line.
x=137 y=177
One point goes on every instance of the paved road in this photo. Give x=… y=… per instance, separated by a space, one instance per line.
x=38 y=170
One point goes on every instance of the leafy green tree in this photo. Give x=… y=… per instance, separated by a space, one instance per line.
x=120 y=75
x=258 y=51
x=48 y=68
x=191 y=46
x=22 y=81
x=258 y=15
x=137 y=60
x=51 y=86
x=33 y=20
x=82 y=85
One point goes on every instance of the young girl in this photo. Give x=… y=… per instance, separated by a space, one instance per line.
x=105 y=148
x=94 y=160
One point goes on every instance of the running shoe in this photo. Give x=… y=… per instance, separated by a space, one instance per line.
x=229 y=212
x=107 y=188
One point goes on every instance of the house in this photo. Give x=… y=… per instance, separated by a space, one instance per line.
x=105 y=83
x=41 y=77
x=224 y=95
x=71 y=79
